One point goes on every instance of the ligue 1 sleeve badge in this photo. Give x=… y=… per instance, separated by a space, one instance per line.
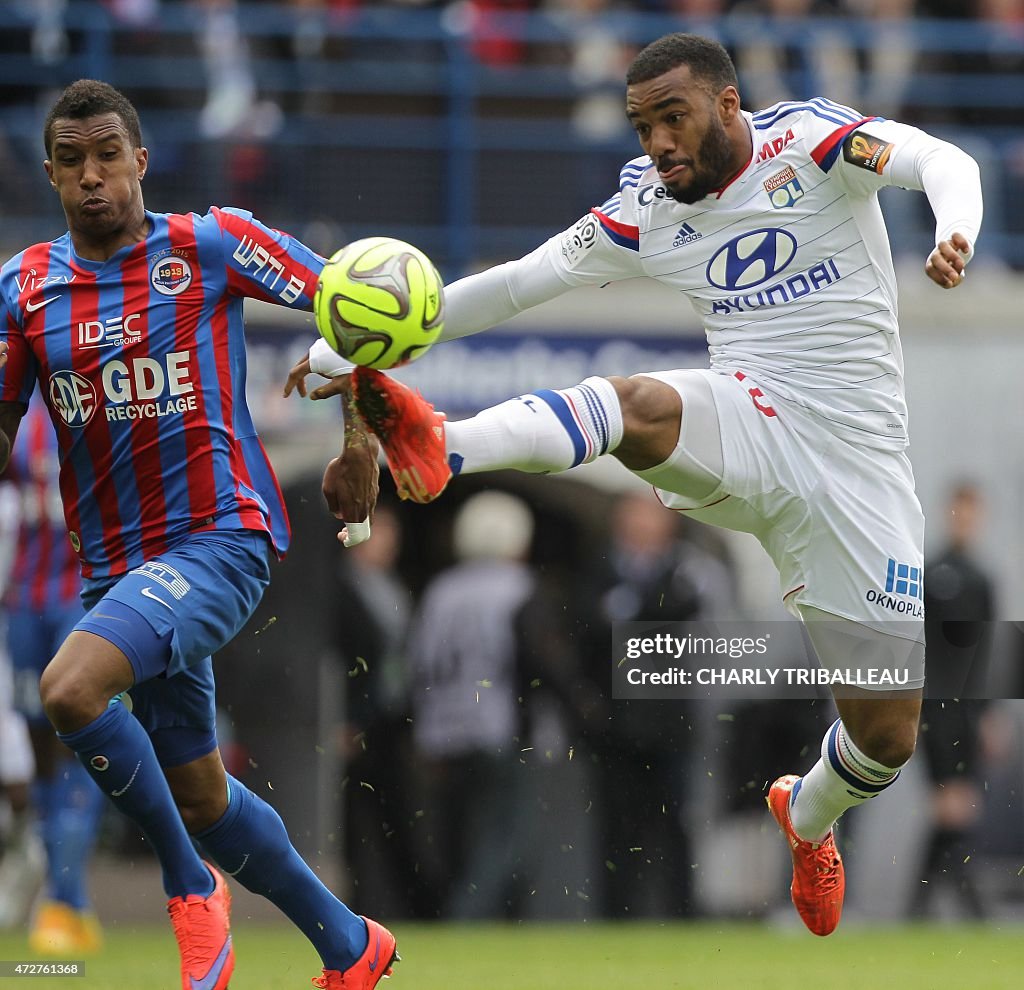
x=171 y=275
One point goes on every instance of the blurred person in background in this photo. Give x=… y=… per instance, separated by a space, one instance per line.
x=644 y=751
x=466 y=709
x=43 y=606
x=22 y=856
x=374 y=609
x=792 y=49
x=959 y=611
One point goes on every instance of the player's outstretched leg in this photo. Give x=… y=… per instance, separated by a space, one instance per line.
x=202 y=926
x=544 y=431
x=819 y=882
x=251 y=843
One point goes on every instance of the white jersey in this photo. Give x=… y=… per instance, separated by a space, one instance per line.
x=788 y=266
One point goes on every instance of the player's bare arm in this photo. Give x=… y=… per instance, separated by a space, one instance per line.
x=351 y=480
x=10 y=417
x=946 y=264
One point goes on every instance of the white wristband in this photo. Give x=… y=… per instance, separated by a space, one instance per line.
x=326 y=361
x=356 y=533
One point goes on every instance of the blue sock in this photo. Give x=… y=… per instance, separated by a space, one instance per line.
x=251 y=844
x=118 y=755
x=72 y=817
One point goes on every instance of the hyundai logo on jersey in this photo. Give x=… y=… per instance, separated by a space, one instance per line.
x=751 y=259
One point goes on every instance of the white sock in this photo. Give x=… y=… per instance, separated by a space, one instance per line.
x=842 y=778
x=541 y=432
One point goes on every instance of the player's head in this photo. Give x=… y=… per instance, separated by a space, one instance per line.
x=95 y=159
x=682 y=98
x=493 y=526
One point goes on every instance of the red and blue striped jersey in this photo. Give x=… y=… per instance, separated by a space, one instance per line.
x=45 y=570
x=141 y=361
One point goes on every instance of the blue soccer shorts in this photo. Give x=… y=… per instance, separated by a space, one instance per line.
x=168 y=617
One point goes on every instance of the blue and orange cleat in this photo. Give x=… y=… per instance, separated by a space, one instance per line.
x=409 y=430
x=819 y=881
x=202 y=926
x=369 y=969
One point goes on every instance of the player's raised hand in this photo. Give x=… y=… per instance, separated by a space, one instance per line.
x=351 y=486
x=945 y=265
x=297 y=377
x=311 y=364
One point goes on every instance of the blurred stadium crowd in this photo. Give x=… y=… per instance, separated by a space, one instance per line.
x=470 y=762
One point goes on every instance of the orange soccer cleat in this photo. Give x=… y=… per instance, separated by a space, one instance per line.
x=202 y=926
x=819 y=882
x=409 y=430
x=60 y=930
x=369 y=969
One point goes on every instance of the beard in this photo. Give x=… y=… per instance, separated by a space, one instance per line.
x=712 y=168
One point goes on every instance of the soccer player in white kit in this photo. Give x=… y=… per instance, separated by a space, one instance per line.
x=769 y=224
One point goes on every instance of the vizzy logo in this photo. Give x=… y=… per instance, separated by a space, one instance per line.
x=751 y=258
x=31 y=281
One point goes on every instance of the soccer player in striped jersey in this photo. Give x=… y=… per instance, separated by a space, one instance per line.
x=131 y=324
x=43 y=605
x=769 y=224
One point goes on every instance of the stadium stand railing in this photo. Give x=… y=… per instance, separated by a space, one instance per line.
x=459 y=134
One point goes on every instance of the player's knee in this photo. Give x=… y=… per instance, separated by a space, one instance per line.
x=70 y=698
x=651 y=416
x=199 y=811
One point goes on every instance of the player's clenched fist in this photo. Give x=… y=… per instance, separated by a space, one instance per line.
x=945 y=265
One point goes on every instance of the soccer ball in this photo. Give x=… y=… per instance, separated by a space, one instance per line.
x=379 y=302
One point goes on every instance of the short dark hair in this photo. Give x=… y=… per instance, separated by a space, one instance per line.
x=91 y=98
x=709 y=62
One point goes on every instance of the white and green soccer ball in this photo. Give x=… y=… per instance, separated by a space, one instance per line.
x=379 y=302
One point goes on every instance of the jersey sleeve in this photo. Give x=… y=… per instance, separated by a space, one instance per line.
x=267 y=264
x=18 y=375
x=874 y=152
x=601 y=247
x=604 y=245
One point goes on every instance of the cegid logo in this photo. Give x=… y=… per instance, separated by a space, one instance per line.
x=751 y=259
x=648 y=194
x=73 y=397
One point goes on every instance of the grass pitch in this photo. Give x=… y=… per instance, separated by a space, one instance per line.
x=588 y=957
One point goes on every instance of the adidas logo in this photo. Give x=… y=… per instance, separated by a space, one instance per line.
x=685 y=235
